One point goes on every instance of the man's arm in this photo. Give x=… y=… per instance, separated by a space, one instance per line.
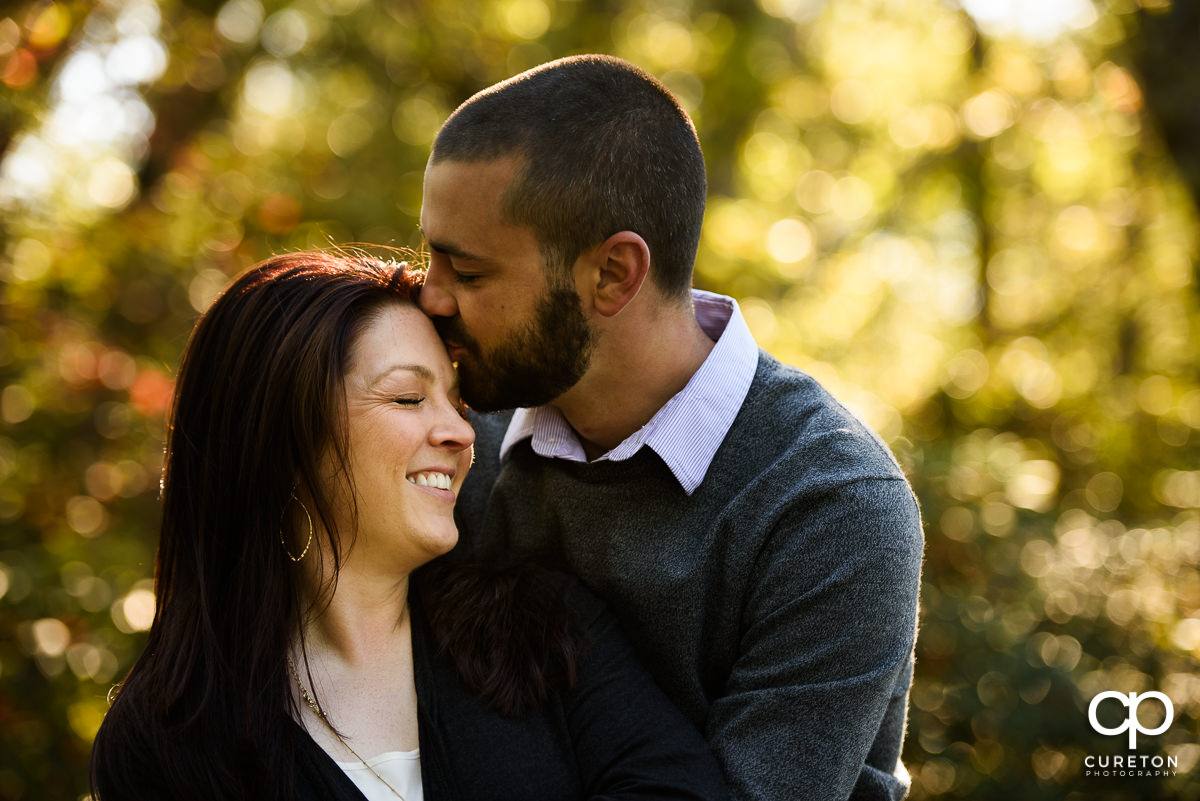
x=814 y=705
x=630 y=740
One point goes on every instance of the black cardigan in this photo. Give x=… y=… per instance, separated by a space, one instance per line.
x=614 y=735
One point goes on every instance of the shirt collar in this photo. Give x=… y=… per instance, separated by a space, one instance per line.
x=687 y=431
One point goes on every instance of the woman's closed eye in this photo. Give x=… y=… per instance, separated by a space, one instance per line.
x=409 y=400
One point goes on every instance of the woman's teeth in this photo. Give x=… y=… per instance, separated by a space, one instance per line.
x=431 y=479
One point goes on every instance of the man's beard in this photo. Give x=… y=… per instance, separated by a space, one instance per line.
x=533 y=366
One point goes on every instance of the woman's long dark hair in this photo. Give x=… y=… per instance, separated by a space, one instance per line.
x=258 y=400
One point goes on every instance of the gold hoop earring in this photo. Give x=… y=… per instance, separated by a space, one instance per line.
x=308 y=542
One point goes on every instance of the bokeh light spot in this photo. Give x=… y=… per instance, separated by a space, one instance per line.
x=1178 y=488
x=1155 y=395
x=1185 y=635
x=16 y=404
x=1037 y=558
x=279 y=214
x=760 y=319
x=86 y=716
x=135 y=611
x=988 y=113
x=285 y=33
x=10 y=35
x=31 y=259
x=790 y=241
x=271 y=88
x=111 y=184
x=998 y=518
x=910 y=128
x=937 y=776
x=1077 y=228
x=239 y=20
x=1034 y=485
x=19 y=70
x=814 y=190
x=116 y=369
x=86 y=515
x=51 y=636
x=852 y=101
x=136 y=59
x=347 y=133
x=966 y=373
x=50 y=26
x=527 y=19
x=851 y=198
x=1038 y=20
x=205 y=287
x=416 y=120
x=957 y=523
x=1104 y=491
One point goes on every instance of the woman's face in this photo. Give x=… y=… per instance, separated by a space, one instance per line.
x=410 y=447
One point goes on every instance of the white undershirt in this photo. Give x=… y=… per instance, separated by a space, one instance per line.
x=401 y=769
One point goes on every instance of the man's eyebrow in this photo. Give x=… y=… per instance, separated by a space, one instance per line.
x=448 y=248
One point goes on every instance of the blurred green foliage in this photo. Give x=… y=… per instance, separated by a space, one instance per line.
x=967 y=225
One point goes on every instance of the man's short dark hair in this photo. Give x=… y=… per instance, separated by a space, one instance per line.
x=605 y=147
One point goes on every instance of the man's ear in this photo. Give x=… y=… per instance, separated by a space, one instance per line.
x=621 y=264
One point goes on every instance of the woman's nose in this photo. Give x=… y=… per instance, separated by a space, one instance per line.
x=453 y=430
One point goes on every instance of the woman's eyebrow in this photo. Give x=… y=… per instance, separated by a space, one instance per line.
x=420 y=369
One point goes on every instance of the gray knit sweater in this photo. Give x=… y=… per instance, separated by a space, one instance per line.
x=776 y=606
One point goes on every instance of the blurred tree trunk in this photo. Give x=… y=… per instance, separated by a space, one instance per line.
x=1163 y=50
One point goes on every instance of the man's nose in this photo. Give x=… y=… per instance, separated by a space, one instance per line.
x=437 y=299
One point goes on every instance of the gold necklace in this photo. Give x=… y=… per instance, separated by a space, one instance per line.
x=312 y=704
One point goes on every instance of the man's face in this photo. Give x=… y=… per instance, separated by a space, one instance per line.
x=515 y=326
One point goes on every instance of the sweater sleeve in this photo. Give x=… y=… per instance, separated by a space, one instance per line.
x=630 y=741
x=815 y=703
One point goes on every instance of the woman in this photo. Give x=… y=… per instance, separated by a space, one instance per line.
x=315 y=451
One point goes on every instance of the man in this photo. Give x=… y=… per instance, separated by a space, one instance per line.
x=761 y=548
